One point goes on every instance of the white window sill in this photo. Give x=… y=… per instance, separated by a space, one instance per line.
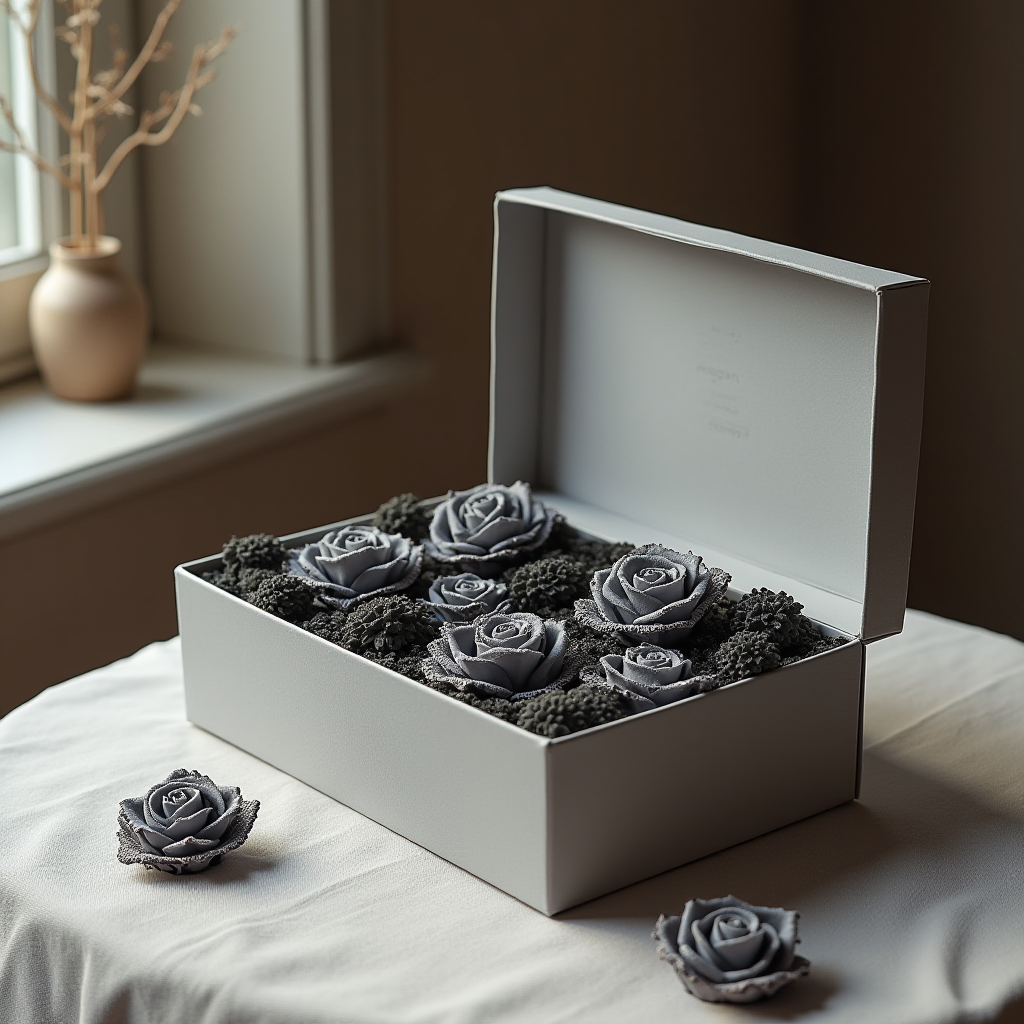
x=191 y=409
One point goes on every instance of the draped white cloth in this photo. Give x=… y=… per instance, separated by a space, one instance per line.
x=911 y=900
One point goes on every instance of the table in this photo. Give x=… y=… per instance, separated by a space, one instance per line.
x=911 y=900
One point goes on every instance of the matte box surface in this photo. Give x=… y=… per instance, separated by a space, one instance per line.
x=551 y=822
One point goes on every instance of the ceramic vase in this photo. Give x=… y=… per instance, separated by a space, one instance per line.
x=89 y=322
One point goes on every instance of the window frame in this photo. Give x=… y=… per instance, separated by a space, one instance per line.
x=39 y=197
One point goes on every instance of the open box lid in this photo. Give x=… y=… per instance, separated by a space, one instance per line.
x=661 y=381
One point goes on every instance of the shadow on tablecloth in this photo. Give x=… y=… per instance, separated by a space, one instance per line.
x=916 y=875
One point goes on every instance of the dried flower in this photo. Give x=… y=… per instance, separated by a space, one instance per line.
x=727 y=951
x=514 y=656
x=184 y=824
x=648 y=676
x=555 y=713
x=488 y=526
x=462 y=598
x=355 y=563
x=653 y=594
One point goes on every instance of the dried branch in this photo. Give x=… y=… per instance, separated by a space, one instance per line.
x=173 y=107
x=146 y=54
x=27 y=29
x=20 y=145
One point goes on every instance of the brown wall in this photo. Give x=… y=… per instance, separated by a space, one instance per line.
x=97 y=587
x=881 y=132
x=886 y=133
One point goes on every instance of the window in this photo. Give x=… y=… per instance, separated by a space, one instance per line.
x=20 y=221
x=29 y=203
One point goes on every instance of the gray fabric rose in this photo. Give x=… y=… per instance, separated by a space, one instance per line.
x=727 y=951
x=488 y=526
x=649 y=676
x=356 y=562
x=184 y=824
x=462 y=598
x=516 y=656
x=652 y=594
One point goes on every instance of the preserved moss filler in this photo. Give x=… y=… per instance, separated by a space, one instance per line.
x=496 y=601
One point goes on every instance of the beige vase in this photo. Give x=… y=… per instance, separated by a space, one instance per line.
x=89 y=323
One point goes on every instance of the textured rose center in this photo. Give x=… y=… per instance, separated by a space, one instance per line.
x=653 y=659
x=470 y=588
x=356 y=540
x=175 y=798
x=734 y=926
x=476 y=510
x=653 y=576
x=507 y=631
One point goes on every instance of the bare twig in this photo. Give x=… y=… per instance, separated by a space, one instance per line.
x=99 y=96
x=146 y=54
x=173 y=107
x=20 y=145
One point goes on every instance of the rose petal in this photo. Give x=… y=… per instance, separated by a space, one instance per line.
x=610 y=598
x=217 y=828
x=485 y=670
x=188 y=847
x=517 y=664
x=189 y=826
x=192 y=802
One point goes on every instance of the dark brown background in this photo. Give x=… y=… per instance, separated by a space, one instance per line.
x=886 y=133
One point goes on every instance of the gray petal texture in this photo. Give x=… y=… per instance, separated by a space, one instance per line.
x=514 y=655
x=155 y=831
x=489 y=526
x=725 y=950
x=464 y=597
x=354 y=563
x=652 y=594
x=647 y=675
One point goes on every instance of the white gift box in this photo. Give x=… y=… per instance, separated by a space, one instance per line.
x=655 y=381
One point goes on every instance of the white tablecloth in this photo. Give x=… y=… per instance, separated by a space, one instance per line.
x=911 y=900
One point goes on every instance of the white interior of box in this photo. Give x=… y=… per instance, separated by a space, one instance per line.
x=676 y=389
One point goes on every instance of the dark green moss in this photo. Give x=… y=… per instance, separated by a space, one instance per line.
x=287 y=597
x=548 y=586
x=776 y=614
x=254 y=551
x=713 y=628
x=403 y=514
x=746 y=653
x=560 y=713
x=329 y=625
x=389 y=625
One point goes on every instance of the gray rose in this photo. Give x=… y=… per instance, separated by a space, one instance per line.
x=727 y=951
x=516 y=656
x=356 y=562
x=649 y=676
x=184 y=824
x=462 y=598
x=488 y=526
x=652 y=594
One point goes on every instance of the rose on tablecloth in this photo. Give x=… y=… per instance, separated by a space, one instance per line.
x=356 y=562
x=184 y=824
x=649 y=676
x=652 y=594
x=516 y=656
x=488 y=527
x=462 y=598
x=727 y=951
